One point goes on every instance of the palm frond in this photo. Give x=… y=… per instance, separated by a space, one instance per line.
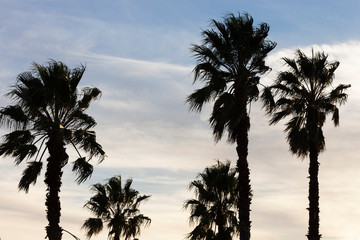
x=87 y=141
x=89 y=95
x=335 y=117
x=337 y=95
x=76 y=75
x=133 y=225
x=29 y=175
x=268 y=99
x=200 y=96
x=82 y=169
x=13 y=117
x=24 y=151
x=279 y=115
x=92 y=226
x=18 y=144
x=98 y=204
x=77 y=119
x=285 y=79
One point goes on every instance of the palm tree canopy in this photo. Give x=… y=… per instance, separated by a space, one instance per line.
x=116 y=206
x=230 y=61
x=214 y=203
x=306 y=93
x=47 y=101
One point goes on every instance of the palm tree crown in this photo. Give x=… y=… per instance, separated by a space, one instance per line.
x=117 y=207
x=305 y=92
x=48 y=113
x=213 y=209
x=230 y=61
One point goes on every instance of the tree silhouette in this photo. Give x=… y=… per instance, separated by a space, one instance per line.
x=118 y=208
x=230 y=62
x=214 y=208
x=306 y=93
x=49 y=113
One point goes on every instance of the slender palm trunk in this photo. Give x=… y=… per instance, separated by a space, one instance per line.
x=53 y=181
x=314 y=219
x=117 y=236
x=244 y=187
x=220 y=222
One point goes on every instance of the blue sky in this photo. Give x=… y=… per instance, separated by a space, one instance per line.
x=137 y=53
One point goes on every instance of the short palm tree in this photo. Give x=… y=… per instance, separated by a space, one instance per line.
x=306 y=93
x=230 y=62
x=116 y=206
x=49 y=113
x=214 y=208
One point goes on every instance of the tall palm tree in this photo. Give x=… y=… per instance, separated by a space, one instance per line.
x=49 y=113
x=118 y=207
x=230 y=62
x=214 y=208
x=306 y=93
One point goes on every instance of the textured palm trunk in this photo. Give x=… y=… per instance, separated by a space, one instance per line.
x=117 y=236
x=220 y=222
x=244 y=187
x=314 y=220
x=53 y=181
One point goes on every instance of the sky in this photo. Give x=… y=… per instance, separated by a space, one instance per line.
x=138 y=53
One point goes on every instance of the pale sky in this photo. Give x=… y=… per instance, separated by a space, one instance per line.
x=137 y=53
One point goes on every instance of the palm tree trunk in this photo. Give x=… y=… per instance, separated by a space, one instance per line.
x=220 y=222
x=117 y=236
x=53 y=181
x=314 y=220
x=244 y=188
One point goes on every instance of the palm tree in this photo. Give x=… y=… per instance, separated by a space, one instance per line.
x=49 y=113
x=214 y=208
x=230 y=62
x=306 y=93
x=118 y=207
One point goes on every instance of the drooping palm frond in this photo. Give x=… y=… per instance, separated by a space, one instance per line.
x=82 y=169
x=13 y=118
x=30 y=175
x=92 y=226
x=19 y=145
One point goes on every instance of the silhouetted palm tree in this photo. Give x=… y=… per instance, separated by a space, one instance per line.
x=47 y=114
x=118 y=208
x=230 y=62
x=306 y=93
x=214 y=208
